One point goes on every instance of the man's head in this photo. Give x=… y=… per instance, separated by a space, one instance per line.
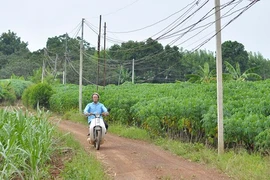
x=95 y=97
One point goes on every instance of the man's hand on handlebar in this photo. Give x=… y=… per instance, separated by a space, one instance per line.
x=105 y=114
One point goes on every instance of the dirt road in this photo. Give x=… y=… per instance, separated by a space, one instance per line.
x=126 y=159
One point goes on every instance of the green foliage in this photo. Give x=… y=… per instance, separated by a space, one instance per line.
x=257 y=60
x=38 y=94
x=66 y=97
x=204 y=75
x=234 y=52
x=17 y=85
x=129 y=132
x=25 y=145
x=263 y=142
x=7 y=93
x=183 y=111
x=10 y=43
x=153 y=62
x=238 y=166
x=13 y=76
x=75 y=116
x=236 y=74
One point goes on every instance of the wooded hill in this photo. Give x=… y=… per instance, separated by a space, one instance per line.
x=153 y=63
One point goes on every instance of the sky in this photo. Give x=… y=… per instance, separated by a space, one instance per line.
x=34 y=21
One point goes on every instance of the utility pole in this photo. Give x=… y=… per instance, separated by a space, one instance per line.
x=120 y=75
x=104 y=78
x=132 y=71
x=55 y=66
x=219 y=78
x=81 y=67
x=98 y=50
x=65 y=65
x=43 y=67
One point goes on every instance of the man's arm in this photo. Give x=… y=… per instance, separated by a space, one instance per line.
x=86 y=110
x=105 y=111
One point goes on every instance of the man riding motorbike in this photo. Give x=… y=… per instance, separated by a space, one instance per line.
x=95 y=107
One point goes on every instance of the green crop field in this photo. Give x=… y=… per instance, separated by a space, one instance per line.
x=184 y=111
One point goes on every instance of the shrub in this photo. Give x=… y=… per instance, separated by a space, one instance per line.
x=38 y=94
x=263 y=142
x=7 y=93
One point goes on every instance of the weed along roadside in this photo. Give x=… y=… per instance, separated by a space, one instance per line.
x=33 y=148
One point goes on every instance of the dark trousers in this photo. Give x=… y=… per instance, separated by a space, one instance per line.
x=106 y=125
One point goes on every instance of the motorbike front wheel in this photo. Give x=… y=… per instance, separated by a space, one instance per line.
x=97 y=140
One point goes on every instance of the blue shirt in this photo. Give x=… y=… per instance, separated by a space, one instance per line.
x=97 y=108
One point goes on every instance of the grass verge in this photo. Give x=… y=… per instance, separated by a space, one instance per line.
x=78 y=164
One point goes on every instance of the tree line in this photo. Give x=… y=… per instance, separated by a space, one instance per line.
x=153 y=62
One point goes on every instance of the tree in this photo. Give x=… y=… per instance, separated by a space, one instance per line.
x=18 y=66
x=192 y=60
x=169 y=68
x=147 y=56
x=3 y=60
x=56 y=46
x=235 y=73
x=234 y=52
x=10 y=43
x=203 y=75
x=257 y=60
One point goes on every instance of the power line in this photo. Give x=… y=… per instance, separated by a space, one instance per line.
x=245 y=9
x=199 y=21
x=206 y=26
x=174 y=33
x=121 y=41
x=88 y=25
x=183 y=20
x=72 y=67
x=179 y=18
x=78 y=26
x=209 y=25
x=151 y=56
x=145 y=27
x=121 y=8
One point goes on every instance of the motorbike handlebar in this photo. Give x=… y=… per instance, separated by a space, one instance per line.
x=96 y=115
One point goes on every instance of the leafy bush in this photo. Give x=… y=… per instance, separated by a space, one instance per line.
x=7 y=93
x=263 y=142
x=12 y=89
x=38 y=94
x=18 y=85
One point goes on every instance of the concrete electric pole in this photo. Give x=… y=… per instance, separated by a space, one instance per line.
x=98 y=51
x=81 y=68
x=104 y=78
x=219 y=79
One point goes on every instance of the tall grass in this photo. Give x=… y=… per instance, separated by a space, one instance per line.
x=25 y=144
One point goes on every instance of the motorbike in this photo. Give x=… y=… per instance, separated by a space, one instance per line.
x=97 y=131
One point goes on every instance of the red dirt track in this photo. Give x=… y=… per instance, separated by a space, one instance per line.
x=126 y=159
